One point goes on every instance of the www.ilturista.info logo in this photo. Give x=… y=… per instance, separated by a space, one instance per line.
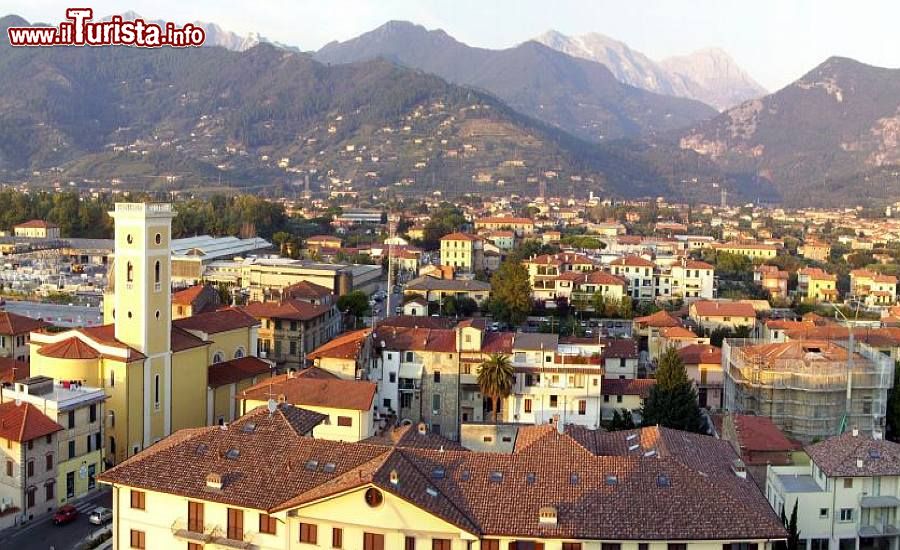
x=78 y=30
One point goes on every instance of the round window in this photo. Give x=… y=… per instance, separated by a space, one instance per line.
x=158 y=238
x=374 y=498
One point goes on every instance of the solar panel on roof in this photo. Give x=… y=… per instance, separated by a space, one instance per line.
x=496 y=477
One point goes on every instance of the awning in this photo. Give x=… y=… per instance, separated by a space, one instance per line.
x=411 y=370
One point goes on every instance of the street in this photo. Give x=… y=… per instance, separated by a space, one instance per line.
x=42 y=534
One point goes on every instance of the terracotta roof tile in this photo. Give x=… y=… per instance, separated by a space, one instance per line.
x=696 y=354
x=629 y=386
x=315 y=392
x=838 y=456
x=235 y=370
x=345 y=346
x=23 y=421
x=12 y=323
x=70 y=348
x=223 y=320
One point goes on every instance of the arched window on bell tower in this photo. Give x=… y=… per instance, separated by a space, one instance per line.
x=156 y=268
x=129 y=276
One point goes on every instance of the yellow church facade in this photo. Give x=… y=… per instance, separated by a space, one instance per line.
x=155 y=371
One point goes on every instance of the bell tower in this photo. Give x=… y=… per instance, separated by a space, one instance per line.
x=142 y=297
x=141 y=309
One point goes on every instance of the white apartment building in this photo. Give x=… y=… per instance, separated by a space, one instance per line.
x=848 y=494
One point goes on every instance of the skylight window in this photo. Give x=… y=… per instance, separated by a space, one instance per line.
x=438 y=473
x=530 y=478
x=662 y=480
x=466 y=475
x=249 y=427
x=232 y=454
x=496 y=477
x=574 y=478
x=311 y=465
x=201 y=449
x=329 y=467
x=432 y=492
x=612 y=480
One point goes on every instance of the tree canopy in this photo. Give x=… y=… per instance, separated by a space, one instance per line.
x=672 y=401
x=510 y=293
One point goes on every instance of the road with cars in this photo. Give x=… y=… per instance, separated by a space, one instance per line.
x=41 y=534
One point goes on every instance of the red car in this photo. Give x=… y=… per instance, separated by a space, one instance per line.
x=65 y=514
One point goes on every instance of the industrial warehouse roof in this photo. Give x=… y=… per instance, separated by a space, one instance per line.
x=212 y=248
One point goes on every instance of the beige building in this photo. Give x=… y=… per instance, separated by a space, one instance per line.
x=36 y=229
x=873 y=288
x=290 y=329
x=264 y=483
x=720 y=314
x=15 y=334
x=751 y=250
x=463 y=252
x=28 y=451
x=815 y=285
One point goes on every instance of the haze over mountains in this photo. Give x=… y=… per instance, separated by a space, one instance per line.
x=416 y=110
x=579 y=96
x=708 y=75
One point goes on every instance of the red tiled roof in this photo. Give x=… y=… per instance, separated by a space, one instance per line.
x=213 y=322
x=182 y=340
x=629 y=386
x=274 y=468
x=106 y=335
x=838 y=456
x=505 y=220
x=308 y=391
x=70 y=348
x=599 y=277
x=305 y=289
x=498 y=342
x=12 y=323
x=697 y=354
x=677 y=333
x=707 y=308
x=35 y=224
x=236 y=370
x=345 y=346
x=633 y=261
x=294 y=310
x=12 y=370
x=661 y=318
x=460 y=237
x=417 y=339
x=619 y=348
x=188 y=295
x=759 y=433
x=23 y=421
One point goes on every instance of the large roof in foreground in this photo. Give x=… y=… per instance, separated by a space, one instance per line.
x=673 y=485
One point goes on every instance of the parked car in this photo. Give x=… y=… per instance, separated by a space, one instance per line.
x=65 y=514
x=100 y=515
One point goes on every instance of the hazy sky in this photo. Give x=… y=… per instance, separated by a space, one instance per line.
x=776 y=41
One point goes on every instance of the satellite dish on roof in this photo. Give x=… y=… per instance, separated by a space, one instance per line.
x=272 y=406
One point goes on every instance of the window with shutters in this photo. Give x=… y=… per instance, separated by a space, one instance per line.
x=410 y=543
x=490 y=545
x=194 y=546
x=195 y=517
x=267 y=524
x=137 y=539
x=344 y=421
x=308 y=533
x=137 y=499
x=30 y=468
x=337 y=537
x=609 y=546
x=677 y=546
x=235 y=524
x=50 y=491
x=528 y=405
x=440 y=544
x=30 y=496
x=582 y=407
x=373 y=541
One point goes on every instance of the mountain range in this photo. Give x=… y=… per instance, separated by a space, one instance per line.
x=831 y=135
x=433 y=115
x=579 y=96
x=188 y=119
x=709 y=75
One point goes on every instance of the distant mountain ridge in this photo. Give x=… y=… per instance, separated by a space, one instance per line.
x=708 y=75
x=580 y=96
x=832 y=135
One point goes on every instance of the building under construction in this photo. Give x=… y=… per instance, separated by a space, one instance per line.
x=812 y=389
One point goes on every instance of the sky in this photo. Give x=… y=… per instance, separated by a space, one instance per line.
x=775 y=41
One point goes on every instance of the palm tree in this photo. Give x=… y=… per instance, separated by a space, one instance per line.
x=495 y=377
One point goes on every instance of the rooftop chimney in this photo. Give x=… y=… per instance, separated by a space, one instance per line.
x=214 y=481
x=855 y=432
x=859 y=463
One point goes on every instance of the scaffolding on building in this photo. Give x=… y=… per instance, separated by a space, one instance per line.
x=810 y=389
